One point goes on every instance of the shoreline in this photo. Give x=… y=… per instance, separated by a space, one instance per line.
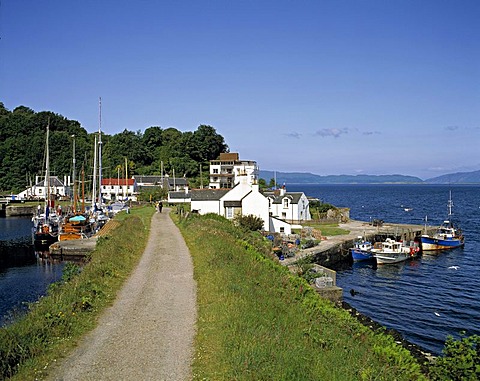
x=423 y=357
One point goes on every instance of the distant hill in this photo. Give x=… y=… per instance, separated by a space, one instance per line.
x=456 y=178
x=310 y=178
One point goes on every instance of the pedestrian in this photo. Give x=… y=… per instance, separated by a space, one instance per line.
x=157 y=206
x=160 y=206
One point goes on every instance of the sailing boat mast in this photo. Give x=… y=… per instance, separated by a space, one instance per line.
x=73 y=179
x=94 y=182
x=100 y=153
x=47 y=172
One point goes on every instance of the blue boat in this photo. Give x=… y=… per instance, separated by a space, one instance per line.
x=447 y=236
x=361 y=250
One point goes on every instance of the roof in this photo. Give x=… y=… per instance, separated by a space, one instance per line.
x=148 y=179
x=117 y=182
x=208 y=194
x=54 y=182
x=293 y=196
x=179 y=195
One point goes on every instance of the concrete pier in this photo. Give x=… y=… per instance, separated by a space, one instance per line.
x=335 y=249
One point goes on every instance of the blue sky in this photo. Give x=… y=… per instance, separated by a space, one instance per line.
x=328 y=87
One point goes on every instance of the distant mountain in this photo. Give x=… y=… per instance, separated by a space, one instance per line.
x=310 y=178
x=456 y=178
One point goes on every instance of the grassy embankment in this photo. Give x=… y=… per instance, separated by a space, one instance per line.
x=56 y=322
x=258 y=322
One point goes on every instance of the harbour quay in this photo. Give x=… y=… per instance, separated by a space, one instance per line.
x=335 y=250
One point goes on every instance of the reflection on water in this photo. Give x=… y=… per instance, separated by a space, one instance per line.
x=24 y=274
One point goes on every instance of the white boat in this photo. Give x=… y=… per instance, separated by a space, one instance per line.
x=391 y=251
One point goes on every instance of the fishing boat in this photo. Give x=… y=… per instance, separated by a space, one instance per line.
x=361 y=250
x=391 y=251
x=46 y=224
x=447 y=235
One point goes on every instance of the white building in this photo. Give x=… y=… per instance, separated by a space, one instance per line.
x=226 y=171
x=39 y=190
x=119 y=189
x=289 y=206
x=244 y=199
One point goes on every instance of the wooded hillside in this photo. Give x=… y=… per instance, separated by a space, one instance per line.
x=22 y=149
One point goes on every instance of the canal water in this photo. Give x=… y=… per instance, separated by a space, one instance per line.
x=24 y=275
x=425 y=299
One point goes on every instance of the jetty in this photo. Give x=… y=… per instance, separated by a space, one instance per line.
x=335 y=250
x=77 y=249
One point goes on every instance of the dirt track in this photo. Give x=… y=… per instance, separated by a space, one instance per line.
x=148 y=333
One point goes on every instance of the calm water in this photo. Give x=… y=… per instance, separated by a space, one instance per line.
x=425 y=299
x=23 y=276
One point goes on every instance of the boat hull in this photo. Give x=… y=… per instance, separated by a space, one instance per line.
x=41 y=240
x=361 y=255
x=388 y=258
x=432 y=243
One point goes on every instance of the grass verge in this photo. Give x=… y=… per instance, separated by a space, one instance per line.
x=71 y=308
x=256 y=321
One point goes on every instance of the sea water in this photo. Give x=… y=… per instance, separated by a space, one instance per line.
x=424 y=299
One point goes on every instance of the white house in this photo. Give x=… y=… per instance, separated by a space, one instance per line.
x=290 y=206
x=244 y=199
x=119 y=189
x=39 y=190
x=181 y=196
x=227 y=171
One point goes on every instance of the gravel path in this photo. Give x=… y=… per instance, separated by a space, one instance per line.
x=148 y=333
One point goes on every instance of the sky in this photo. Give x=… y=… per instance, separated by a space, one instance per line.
x=324 y=86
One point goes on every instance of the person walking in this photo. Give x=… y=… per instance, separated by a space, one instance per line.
x=160 y=206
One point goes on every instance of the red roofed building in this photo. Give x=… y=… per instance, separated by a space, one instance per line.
x=119 y=189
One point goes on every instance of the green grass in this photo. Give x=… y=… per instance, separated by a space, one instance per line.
x=327 y=229
x=258 y=322
x=71 y=308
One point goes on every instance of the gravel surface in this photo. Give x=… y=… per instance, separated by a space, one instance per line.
x=148 y=333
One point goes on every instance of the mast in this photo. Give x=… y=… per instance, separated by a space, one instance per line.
x=450 y=206
x=73 y=179
x=126 y=176
x=47 y=172
x=94 y=182
x=100 y=153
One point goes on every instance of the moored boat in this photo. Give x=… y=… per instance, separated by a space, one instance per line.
x=391 y=251
x=361 y=250
x=447 y=236
x=46 y=224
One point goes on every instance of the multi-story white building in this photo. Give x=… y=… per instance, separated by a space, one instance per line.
x=289 y=206
x=226 y=171
x=244 y=199
x=119 y=189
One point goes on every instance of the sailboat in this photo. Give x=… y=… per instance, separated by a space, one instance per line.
x=447 y=236
x=46 y=224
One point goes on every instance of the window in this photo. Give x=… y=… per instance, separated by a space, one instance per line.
x=229 y=212
x=285 y=202
x=282 y=230
x=215 y=170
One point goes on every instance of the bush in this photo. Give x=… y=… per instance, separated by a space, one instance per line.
x=249 y=222
x=460 y=360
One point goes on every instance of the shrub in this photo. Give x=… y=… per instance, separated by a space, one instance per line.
x=460 y=360
x=249 y=222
